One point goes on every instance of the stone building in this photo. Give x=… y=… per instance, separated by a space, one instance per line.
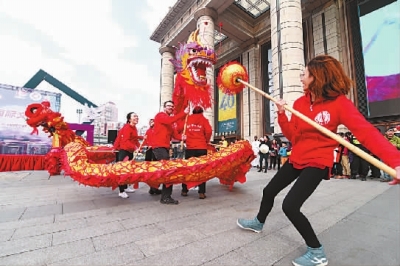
x=273 y=39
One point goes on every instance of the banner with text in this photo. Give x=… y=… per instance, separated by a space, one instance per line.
x=15 y=137
x=227 y=120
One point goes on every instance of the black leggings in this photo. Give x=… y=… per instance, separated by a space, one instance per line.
x=308 y=180
x=122 y=154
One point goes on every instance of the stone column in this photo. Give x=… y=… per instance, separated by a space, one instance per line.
x=206 y=18
x=167 y=74
x=290 y=50
x=252 y=115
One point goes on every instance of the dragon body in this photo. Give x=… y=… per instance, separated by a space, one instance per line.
x=90 y=165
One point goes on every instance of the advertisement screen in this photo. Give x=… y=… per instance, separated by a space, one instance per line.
x=380 y=32
x=15 y=134
x=227 y=120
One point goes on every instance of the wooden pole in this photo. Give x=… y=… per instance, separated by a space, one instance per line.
x=184 y=130
x=140 y=148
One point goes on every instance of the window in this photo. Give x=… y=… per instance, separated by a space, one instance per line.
x=254 y=8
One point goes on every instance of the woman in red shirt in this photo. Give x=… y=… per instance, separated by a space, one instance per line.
x=198 y=135
x=127 y=142
x=325 y=88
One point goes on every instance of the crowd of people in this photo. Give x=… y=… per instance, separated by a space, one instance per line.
x=270 y=154
x=348 y=165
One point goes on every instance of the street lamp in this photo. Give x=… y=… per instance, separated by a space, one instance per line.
x=79 y=112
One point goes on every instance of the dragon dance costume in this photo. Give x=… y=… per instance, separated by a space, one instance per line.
x=90 y=165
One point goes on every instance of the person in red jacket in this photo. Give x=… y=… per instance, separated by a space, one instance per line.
x=325 y=86
x=127 y=142
x=164 y=130
x=149 y=152
x=198 y=134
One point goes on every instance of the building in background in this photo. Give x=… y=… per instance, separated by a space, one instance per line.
x=105 y=118
x=273 y=40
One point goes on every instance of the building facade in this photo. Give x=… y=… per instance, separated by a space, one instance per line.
x=273 y=40
x=105 y=119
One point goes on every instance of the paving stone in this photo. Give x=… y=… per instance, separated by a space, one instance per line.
x=119 y=238
x=22 y=245
x=159 y=243
x=27 y=223
x=11 y=214
x=45 y=256
x=48 y=228
x=120 y=255
x=39 y=211
x=86 y=232
x=78 y=206
x=6 y=235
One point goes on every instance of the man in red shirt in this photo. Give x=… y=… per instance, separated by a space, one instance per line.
x=198 y=134
x=163 y=132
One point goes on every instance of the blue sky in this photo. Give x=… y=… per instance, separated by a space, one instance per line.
x=101 y=49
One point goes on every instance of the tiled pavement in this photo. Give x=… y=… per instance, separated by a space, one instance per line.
x=59 y=222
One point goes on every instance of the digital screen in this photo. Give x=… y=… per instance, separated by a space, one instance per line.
x=380 y=32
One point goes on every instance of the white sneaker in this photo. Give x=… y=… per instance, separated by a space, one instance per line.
x=194 y=188
x=123 y=195
x=130 y=190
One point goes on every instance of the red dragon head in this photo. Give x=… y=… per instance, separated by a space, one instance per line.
x=52 y=123
x=191 y=62
x=40 y=114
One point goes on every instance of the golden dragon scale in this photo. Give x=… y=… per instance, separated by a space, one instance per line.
x=230 y=165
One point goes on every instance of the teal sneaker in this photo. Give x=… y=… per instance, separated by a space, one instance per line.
x=313 y=257
x=253 y=224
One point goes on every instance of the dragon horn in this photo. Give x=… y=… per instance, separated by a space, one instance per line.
x=194 y=37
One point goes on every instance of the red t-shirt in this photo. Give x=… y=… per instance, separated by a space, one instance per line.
x=164 y=129
x=149 y=137
x=312 y=148
x=198 y=132
x=127 y=139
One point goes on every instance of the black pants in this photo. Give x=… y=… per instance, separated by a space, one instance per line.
x=163 y=154
x=278 y=161
x=264 y=156
x=375 y=172
x=149 y=157
x=121 y=156
x=359 y=166
x=272 y=161
x=190 y=154
x=307 y=181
